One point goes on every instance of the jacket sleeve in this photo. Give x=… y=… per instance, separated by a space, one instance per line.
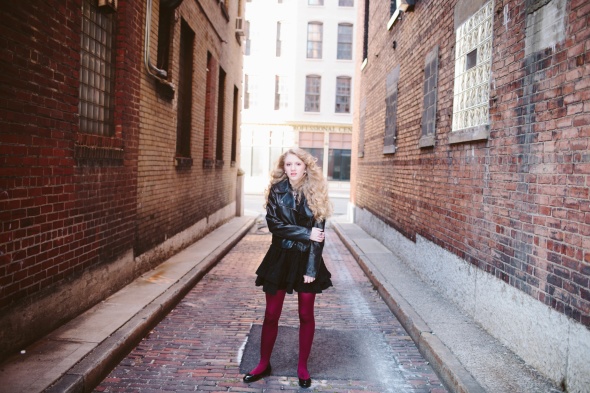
x=315 y=253
x=278 y=225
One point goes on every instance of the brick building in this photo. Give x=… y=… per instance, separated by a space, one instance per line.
x=117 y=148
x=471 y=162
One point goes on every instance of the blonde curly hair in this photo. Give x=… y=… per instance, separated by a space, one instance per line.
x=313 y=184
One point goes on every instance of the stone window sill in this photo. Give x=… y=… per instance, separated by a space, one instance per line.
x=470 y=134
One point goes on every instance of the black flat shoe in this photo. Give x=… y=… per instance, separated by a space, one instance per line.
x=255 y=377
x=305 y=383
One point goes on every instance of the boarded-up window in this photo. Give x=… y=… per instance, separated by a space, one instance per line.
x=362 y=123
x=430 y=98
x=391 y=112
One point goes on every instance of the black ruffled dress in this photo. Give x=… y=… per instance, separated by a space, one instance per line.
x=291 y=254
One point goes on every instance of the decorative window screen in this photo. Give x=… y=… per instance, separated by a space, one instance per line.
x=314 y=40
x=344 y=41
x=312 y=93
x=472 y=70
x=97 y=71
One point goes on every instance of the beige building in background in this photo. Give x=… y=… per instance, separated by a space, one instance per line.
x=297 y=84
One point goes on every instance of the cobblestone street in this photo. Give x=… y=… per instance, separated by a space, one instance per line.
x=199 y=345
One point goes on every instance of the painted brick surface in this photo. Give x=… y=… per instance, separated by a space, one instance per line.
x=515 y=205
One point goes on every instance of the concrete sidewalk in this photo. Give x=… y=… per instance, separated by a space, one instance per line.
x=77 y=356
x=466 y=357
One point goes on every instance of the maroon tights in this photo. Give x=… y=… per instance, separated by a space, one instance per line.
x=270 y=328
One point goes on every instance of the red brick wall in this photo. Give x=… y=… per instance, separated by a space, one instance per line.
x=62 y=210
x=515 y=205
x=173 y=199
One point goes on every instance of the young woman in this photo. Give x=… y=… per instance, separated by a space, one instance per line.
x=297 y=207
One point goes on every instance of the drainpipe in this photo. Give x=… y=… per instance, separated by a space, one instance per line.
x=157 y=73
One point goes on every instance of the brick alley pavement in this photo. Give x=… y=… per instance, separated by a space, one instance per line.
x=198 y=346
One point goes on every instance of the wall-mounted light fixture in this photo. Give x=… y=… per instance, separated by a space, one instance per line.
x=406 y=5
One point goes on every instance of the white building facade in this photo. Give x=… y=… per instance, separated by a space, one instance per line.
x=298 y=79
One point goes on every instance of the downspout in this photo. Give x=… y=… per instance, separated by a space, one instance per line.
x=152 y=70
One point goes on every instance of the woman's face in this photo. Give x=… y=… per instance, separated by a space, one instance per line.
x=294 y=168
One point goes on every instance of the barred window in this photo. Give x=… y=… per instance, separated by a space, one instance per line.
x=314 y=40
x=344 y=41
x=312 y=93
x=97 y=71
x=343 y=94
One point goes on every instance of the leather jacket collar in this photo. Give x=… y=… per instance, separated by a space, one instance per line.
x=287 y=198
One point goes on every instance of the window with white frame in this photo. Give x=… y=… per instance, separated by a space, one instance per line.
x=343 y=94
x=315 y=32
x=344 y=41
x=312 y=93
x=315 y=2
x=281 y=92
x=278 y=40
x=250 y=91
x=345 y=3
x=473 y=70
x=248 y=43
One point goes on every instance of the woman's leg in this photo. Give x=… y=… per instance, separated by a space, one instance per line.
x=306 y=331
x=270 y=328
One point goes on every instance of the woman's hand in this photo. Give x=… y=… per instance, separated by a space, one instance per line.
x=308 y=279
x=317 y=235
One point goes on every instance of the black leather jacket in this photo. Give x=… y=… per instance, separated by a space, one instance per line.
x=291 y=225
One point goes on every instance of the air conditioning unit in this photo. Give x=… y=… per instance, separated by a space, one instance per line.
x=239 y=26
x=107 y=5
x=405 y=5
